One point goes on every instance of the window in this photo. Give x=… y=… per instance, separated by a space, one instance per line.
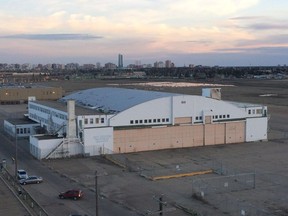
x=253 y=111
x=131 y=122
x=228 y=116
x=259 y=111
x=220 y=116
x=158 y=120
x=136 y=121
x=102 y=120
x=97 y=120
x=145 y=121
x=85 y=121
x=200 y=117
x=150 y=120
x=91 y=121
x=140 y=121
x=196 y=118
x=249 y=112
x=154 y=120
x=163 y=119
x=167 y=119
x=224 y=116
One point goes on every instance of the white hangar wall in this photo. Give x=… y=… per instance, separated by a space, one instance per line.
x=154 y=109
x=256 y=129
x=168 y=108
x=193 y=106
x=98 y=141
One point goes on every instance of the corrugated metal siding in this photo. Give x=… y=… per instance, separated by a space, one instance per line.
x=147 y=139
x=235 y=132
x=183 y=120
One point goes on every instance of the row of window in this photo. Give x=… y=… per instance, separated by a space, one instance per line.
x=221 y=116
x=23 y=131
x=254 y=111
x=44 y=121
x=47 y=111
x=92 y=120
x=199 y=118
x=38 y=118
x=147 y=121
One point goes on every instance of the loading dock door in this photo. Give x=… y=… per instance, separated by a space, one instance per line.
x=235 y=132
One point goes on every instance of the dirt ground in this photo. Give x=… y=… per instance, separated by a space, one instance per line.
x=260 y=166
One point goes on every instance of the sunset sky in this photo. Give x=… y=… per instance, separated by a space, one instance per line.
x=206 y=32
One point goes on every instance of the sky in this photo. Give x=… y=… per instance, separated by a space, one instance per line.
x=199 y=32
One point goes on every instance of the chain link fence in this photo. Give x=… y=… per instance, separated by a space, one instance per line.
x=221 y=191
x=25 y=198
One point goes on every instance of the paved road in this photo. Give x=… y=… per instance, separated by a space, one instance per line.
x=46 y=193
x=54 y=182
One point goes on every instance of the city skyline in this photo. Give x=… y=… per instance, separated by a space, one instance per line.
x=225 y=33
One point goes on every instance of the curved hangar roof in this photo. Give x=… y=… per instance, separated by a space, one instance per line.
x=114 y=99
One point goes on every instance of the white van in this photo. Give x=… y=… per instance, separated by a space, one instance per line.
x=22 y=174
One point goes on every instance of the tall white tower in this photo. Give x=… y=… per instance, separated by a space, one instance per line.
x=71 y=121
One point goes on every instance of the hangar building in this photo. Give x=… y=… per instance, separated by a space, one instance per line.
x=115 y=120
x=17 y=94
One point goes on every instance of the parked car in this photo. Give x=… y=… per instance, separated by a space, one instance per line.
x=71 y=194
x=31 y=180
x=22 y=174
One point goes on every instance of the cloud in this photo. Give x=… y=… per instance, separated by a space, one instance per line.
x=248 y=18
x=268 y=26
x=265 y=50
x=52 y=37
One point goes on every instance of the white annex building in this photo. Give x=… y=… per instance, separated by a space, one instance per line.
x=115 y=120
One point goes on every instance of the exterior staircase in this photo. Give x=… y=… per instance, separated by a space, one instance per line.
x=62 y=149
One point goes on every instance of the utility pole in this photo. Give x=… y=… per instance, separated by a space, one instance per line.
x=16 y=152
x=161 y=205
x=96 y=193
x=161 y=209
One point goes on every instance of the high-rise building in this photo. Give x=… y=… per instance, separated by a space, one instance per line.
x=168 y=64
x=120 y=61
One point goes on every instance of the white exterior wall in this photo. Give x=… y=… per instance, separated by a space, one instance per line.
x=175 y=107
x=94 y=124
x=154 y=109
x=253 y=111
x=41 y=148
x=98 y=141
x=195 y=106
x=9 y=128
x=58 y=117
x=256 y=129
x=24 y=130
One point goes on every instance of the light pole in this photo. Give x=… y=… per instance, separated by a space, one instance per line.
x=16 y=153
x=96 y=193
